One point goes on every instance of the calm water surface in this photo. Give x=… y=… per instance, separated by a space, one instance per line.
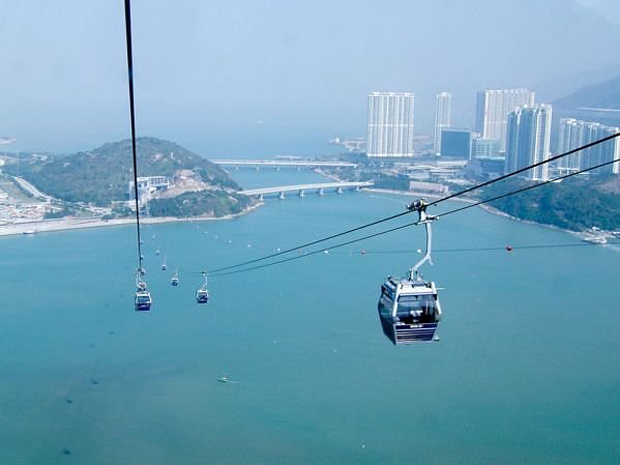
x=527 y=370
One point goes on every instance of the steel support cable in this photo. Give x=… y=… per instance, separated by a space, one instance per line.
x=310 y=244
x=436 y=202
x=314 y=252
x=505 y=248
x=132 y=115
x=343 y=244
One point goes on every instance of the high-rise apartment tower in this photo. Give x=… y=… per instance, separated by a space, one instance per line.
x=443 y=108
x=390 y=124
x=574 y=133
x=493 y=107
x=528 y=141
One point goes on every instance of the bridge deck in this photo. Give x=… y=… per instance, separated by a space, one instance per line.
x=304 y=187
x=294 y=163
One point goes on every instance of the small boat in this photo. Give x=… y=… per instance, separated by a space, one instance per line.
x=224 y=379
x=595 y=238
x=29 y=232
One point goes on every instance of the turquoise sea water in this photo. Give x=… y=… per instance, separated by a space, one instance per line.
x=527 y=369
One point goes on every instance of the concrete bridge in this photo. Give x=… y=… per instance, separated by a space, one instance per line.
x=301 y=189
x=277 y=164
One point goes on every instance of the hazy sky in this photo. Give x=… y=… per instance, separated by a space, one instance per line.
x=206 y=72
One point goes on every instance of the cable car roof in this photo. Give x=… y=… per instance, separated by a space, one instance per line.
x=405 y=286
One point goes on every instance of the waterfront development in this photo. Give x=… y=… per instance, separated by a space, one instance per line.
x=526 y=370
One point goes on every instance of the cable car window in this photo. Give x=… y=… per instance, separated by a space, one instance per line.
x=417 y=304
x=385 y=305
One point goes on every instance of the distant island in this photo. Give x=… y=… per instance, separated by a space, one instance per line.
x=174 y=182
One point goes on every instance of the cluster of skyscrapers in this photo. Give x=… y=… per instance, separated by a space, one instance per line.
x=510 y=129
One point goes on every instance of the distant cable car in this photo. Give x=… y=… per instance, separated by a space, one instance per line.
x=509 y=248
x=409 y=309
x=202 y=293
x=164 y=267
x=175 y=278
x=157 y=252
x=142 y=299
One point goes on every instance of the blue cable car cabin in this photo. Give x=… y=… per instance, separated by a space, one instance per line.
x=142 y=299
x=202 y=295
x=409 y=310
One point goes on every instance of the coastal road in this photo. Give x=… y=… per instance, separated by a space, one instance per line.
x=28 y=187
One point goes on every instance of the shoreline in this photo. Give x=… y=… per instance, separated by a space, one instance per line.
x=69 y=223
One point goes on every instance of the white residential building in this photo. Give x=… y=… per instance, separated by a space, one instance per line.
x=390 y=124
x=443 y=109
x=575 y=133
x=493 y=107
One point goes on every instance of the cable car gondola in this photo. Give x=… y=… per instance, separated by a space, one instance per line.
x=164 y=267
x=175 y=279
x=142 y=299
x=409 y=309
x=202 y=293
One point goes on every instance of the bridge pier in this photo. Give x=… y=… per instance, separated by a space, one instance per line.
x=260 y=197
x=298 y=168
x=358 y=188
x=339 y=190
x=277 y=167
x=321 y=192
x=281 y=196
x=302 y=194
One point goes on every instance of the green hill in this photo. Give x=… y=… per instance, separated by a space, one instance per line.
x=103 y=175
x=575 y=204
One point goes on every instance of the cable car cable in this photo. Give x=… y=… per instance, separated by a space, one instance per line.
x=142 y=298
x=314 y=252
x=132 y=114
x=436 y=202
x=487 y=249
x=518 y=191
